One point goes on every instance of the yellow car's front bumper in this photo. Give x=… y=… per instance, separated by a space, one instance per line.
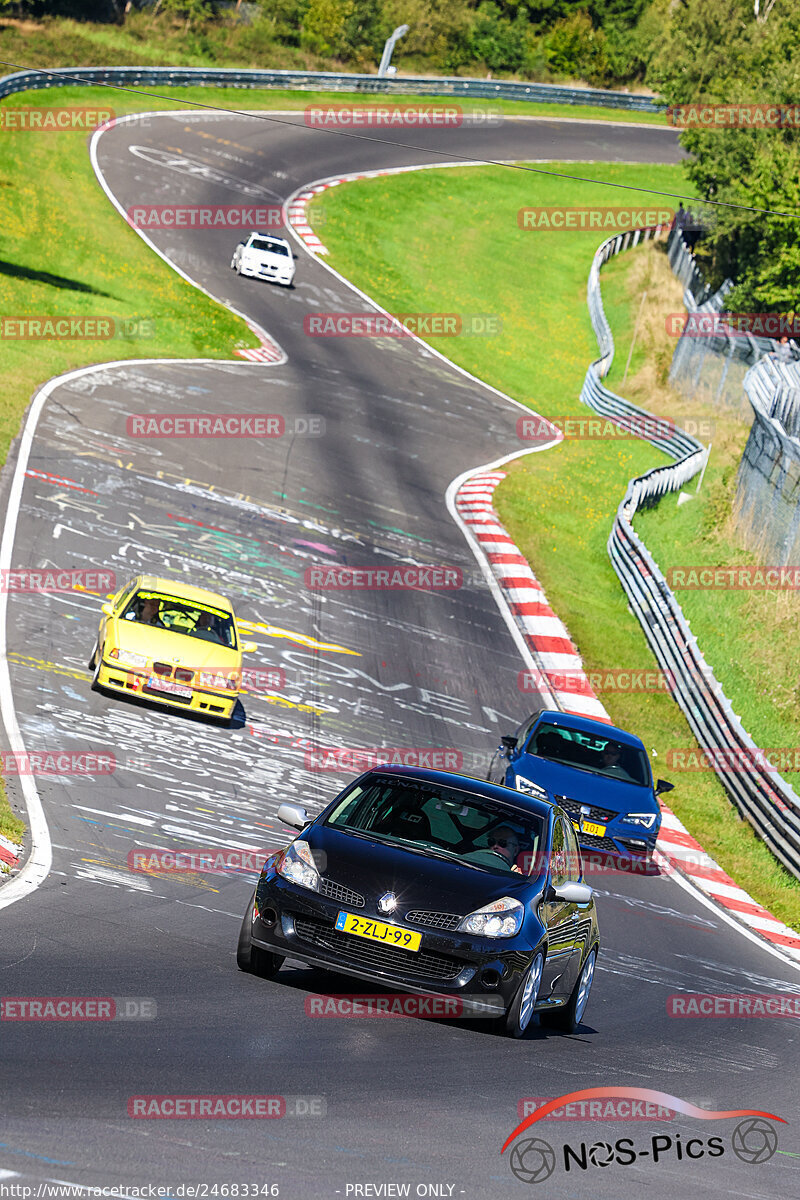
x=135 y=683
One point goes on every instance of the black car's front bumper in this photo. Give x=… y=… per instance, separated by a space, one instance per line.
x=484 y=973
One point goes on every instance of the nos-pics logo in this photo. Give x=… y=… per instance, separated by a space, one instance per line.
x=754 y=1140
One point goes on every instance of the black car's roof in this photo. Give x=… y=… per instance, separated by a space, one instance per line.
x=467 y=783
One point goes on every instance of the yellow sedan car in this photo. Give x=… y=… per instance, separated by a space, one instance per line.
x=165 y=641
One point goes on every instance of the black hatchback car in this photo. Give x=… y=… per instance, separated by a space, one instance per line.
x=436 y=884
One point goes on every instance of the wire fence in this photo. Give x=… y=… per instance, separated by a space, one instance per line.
x=760 y=794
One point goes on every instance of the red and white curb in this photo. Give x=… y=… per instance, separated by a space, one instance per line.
x=685 y=853
x=298 y=218
x=267 y=352
x=545 y=635
x=549 y=641
x=9 y=854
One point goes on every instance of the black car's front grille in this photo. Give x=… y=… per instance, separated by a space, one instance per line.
x=366 y=953
x=573 y=807
x=435 y=920
x=340 y=893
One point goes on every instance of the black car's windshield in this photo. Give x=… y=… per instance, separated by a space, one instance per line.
x=443 y=821
x=588 y=752
x=181 y=616
x=272 y=247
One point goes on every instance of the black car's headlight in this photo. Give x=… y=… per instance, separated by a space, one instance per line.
x=501 y=918
x=297 y=865
x=529 y=788
x=648 y=820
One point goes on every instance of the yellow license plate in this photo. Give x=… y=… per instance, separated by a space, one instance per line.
x=377 y=931
x=593 y=828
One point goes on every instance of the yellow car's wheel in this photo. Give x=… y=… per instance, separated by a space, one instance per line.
x=96 y=664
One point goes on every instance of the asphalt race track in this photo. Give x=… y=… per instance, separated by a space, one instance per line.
x=422 y=1103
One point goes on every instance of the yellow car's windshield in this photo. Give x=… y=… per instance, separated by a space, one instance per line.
x=182 y=616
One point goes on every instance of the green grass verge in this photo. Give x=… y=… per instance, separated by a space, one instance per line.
x=414 y=242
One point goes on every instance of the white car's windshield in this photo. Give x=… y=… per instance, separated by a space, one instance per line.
x=272 y=247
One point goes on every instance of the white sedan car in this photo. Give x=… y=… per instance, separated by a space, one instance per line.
x=265 y=256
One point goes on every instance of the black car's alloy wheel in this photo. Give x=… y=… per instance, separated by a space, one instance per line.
x=570 y=1016
x=518 y=1017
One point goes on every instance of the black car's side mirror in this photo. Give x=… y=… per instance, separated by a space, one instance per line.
x=294 y=815
x=508 y=742
x=663 y=785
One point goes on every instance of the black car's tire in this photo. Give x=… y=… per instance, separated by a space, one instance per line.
x=252 y=958
x=568 y=1018
x=520 y=1012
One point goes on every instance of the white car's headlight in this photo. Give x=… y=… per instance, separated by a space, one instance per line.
x=502 y=918
x=297 y=865
x=529 y=788
x=646 y=819
x=127 y=658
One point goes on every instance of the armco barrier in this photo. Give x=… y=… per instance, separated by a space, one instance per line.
x=327 y=81
x=761 y=796
x=768 y=482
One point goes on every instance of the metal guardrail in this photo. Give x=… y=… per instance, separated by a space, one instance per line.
x=328 y=81
x=761 y=796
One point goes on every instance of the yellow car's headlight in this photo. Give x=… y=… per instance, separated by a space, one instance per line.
x=126 y=658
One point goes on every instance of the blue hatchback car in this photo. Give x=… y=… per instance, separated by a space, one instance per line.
x=597 y=773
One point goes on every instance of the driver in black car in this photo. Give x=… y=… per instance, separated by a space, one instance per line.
x=503 y=844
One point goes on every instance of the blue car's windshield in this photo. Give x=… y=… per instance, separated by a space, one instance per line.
x=588 y=752
x=442 y=821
